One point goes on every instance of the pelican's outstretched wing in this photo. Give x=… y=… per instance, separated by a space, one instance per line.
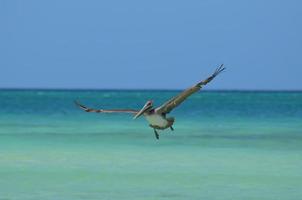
x=175 y=101
x=105 y=111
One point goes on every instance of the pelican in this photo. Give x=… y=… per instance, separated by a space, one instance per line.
x=157 y=117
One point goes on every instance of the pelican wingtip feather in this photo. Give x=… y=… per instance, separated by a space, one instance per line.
x=77 y=103
x=219 y=69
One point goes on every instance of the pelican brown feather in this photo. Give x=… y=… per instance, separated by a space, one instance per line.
x=177 y=100
x=105 y=111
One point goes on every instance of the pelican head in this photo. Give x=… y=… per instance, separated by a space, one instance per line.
x=147 y=107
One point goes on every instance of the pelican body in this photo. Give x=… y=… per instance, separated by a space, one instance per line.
x=157 y=117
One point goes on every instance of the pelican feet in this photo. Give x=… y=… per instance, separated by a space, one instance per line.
x=156 y=134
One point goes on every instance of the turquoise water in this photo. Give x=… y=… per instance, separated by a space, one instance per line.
x=226 y=145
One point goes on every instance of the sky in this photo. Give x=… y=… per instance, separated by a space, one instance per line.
x=156 y=44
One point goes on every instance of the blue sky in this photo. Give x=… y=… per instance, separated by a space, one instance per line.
x=150 y=44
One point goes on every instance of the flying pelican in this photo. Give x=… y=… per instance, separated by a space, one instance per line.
x=157 y=117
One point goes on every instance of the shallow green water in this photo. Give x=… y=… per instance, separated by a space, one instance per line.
x=226 y=145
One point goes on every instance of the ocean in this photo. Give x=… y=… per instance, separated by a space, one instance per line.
x=227 y=145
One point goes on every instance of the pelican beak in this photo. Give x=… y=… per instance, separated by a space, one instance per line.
x=146 y=107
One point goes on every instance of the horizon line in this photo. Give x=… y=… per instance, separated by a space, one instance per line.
x=148 y=89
